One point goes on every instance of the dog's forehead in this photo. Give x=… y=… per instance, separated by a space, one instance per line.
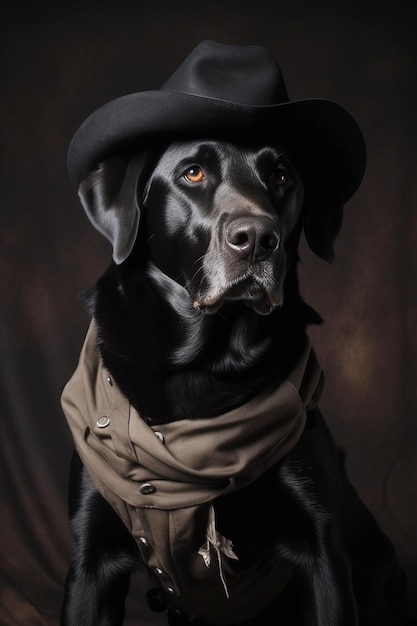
x=216 y=152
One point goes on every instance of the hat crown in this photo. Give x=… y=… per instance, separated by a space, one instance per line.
x=229 y=93
x=247 y=75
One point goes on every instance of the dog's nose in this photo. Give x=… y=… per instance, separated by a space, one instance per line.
x=252 y=237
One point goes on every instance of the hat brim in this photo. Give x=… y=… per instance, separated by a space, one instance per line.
x=314 y=129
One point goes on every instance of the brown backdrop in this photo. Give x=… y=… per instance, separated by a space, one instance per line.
x=60 y=62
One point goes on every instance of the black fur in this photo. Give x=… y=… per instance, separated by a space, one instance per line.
x=200 y=311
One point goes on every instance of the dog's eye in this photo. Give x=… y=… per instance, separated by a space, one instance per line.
x=280 y=177
x=194 y=174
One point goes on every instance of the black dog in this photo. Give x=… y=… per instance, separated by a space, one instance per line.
x=203 y=315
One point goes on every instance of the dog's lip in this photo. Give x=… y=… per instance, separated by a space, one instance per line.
x=248 y=289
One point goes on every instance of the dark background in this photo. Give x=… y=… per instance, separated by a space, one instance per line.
x=60 y=62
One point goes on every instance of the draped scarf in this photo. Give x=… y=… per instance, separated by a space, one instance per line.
x=162 y=479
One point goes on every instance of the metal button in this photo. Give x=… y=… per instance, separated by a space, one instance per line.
x=171 y=590
x=110 y=380
x=159 y=571
x=103 y=421
x=144 y=542
x=147 y=489
x=160 y=436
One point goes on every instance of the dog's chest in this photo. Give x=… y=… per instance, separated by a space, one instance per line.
x=162 y=481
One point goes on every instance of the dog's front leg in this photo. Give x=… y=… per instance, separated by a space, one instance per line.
x=90 y=602
x=309 y=483
x=104 y=554
x=329 y=599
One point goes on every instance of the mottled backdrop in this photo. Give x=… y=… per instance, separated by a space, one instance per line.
x=62 y=60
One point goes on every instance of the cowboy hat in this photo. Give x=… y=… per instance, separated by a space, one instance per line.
x=234 y=93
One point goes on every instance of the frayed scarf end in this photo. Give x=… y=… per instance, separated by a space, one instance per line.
x=221 y=546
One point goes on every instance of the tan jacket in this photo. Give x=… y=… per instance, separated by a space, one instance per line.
x=162 y=480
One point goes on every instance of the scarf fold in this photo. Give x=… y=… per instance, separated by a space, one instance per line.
x=187 y=462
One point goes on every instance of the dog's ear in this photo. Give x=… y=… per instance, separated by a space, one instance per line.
x=323 y=215
x=109 y=197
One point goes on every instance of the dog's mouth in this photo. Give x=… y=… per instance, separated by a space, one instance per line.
x=250 y=290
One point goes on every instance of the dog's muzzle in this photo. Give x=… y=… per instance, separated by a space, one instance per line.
x=246 y=264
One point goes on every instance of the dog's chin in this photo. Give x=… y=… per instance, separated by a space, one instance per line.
x=262 y=300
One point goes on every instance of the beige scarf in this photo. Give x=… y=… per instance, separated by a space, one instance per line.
x=162 y=480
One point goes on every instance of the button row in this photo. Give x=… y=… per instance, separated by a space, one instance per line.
x=161 y=574
x=159 y=571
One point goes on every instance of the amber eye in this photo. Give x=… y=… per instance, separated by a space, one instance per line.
x=194 y=174
x=280 y=177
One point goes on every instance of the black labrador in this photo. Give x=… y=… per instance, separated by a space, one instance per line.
x=201 y=317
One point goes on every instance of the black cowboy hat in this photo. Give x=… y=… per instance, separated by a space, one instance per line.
x=234 y=93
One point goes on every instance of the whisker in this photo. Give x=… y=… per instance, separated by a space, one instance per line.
x=201 y=258
x=200 y=269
